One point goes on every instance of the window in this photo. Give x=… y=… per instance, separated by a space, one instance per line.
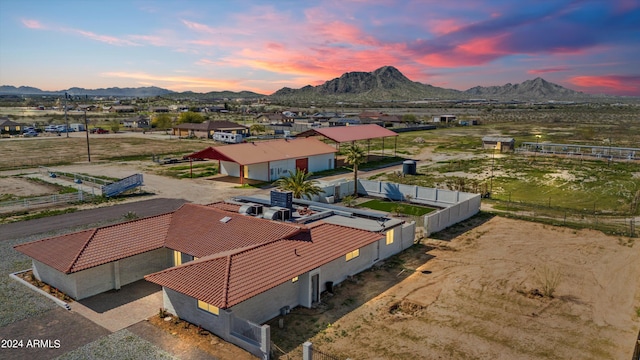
x=354 y=254
x=390 y=237
x=294 y=279
x=208 y=307
x=177 y=258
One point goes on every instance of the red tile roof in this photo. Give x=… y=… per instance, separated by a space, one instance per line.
x=225 y=280
x=342 y=134
x=85 y=249
x=197 y=230
x=264 y=151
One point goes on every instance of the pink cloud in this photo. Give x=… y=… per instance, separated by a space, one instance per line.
x=474 y=52
x=111 y=40
x=615 y=84
x=32 y=24
x=443 y=26
x=177 y=83
x=547 y=70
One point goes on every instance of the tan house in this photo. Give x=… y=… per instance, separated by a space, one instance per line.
x=208 y=128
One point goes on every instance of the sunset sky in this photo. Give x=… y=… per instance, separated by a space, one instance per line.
x=262 y=46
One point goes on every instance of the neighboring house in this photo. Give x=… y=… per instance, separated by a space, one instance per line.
x=9 y=127
x=275 y=119
x=501 y=144
x=222 y=266
x=159 y=109
x=208 y=128
x=343 y=121
x=138 y=122
x=444 y=119
x=122 y=109
x=270 y=160
x=87 y=107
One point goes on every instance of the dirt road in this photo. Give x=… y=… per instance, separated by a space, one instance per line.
x=87 y=217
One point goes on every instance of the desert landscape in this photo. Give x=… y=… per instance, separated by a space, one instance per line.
x=492 y=287
x=496 y=289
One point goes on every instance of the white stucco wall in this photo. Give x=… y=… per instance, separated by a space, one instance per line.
x=229 y=168
x=267 y=305
x=321 y=162
x=95 y=280
x=136 y=267
x=63 y=282
x=259 y=171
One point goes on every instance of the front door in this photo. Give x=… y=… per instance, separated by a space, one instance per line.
x=302 y=164
x=315 y=288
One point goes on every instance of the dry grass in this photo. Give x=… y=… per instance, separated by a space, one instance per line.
x=54 y=150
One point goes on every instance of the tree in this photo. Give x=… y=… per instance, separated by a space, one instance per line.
x=114 y=125
x=257 y=129
x=299 y=183
x=162 y=121
x=190 y=117
x=355 y=156
x=409 y=118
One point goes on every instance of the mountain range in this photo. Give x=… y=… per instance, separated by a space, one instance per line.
x=384 y=84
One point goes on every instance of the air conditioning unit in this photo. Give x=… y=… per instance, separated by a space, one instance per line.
x=277 y=213
x=250 y=209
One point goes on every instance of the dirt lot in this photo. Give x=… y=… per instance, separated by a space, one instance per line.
x=22 y=187
x=480 y=295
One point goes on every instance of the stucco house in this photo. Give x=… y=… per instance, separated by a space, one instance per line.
x=270 y=160
x=226 y=266
x=10 y=127
x=207 y=128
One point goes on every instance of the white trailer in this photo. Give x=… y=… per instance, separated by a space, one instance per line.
x=77 y=127
x=228 y=137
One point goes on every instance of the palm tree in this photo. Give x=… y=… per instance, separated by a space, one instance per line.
x=355 y=156
x=299 y=184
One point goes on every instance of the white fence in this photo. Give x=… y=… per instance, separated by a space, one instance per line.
x=454 y=206
x=43 y=201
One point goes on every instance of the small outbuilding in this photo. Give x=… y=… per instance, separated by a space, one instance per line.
x=502 y=144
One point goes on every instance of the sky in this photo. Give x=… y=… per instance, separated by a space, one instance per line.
x=263 y=46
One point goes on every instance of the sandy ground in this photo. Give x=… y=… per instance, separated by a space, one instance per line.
x=200 y=190
x=476 y=299
x=22 y=187
x=472 y=296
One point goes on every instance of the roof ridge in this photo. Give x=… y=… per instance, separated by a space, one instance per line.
x=75 y=258
x=52 y=237
x=227 y=275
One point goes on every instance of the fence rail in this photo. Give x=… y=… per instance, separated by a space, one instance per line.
x=247 y=330
x=27 y=203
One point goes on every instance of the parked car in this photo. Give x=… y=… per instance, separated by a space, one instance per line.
x=30 y=133
x=51 y=128
x=64 y=128
x=99 y=131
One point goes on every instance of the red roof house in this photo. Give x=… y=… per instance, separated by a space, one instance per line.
x=270 y=160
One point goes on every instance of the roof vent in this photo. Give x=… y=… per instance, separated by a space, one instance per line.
x=225 y=219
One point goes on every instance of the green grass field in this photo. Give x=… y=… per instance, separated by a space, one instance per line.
x=397 y=207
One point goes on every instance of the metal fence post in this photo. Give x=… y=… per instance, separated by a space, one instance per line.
x=307 y=351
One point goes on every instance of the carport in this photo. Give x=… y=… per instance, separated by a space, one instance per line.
x=351 y=134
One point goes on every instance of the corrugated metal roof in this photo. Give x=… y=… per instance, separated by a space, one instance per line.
x=497 y=139
x=225 y=280
x=350 y=133
x=265 y=151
